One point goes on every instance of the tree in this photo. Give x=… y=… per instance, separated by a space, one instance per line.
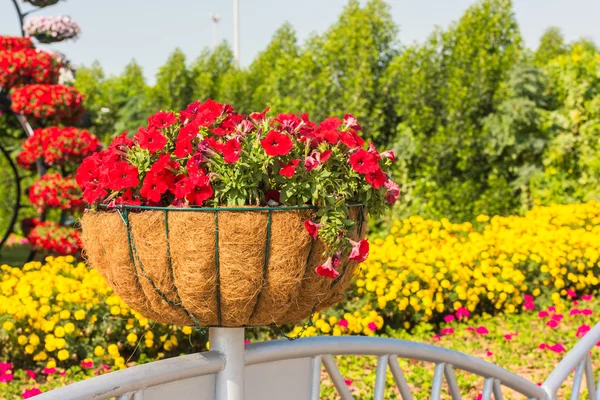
x=208 y=70
x=173 y=89
x=552 y=45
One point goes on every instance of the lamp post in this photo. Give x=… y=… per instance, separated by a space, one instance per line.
x=215 y=20
x=236 y=31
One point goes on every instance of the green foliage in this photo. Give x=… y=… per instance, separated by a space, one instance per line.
x=173 y=90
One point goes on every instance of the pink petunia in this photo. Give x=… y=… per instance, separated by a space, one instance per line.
x=471 y=329
x=87 y=364
x=508 y=336
x=543 y=346
x=571 y=293
x=49 y=371
x=574 y=311
x=586 y=297
x=28 y=393
x=552 y=324
x=6 y=377
x=586 y=312
x=436 y=337
x=582 y=330
x=482 y=330
x=529 y=305
x=348 y=382
x=462 y=313
x=372 y=326
x=551 y=309
x=247 y=341
x=528 y=297
x=479 y=396
x=447 y=331
x=543 y=314
x=449 y=318
x=343 y=323
x=557 y=317
x=489 y=354
x=557 y=348
x=575 y=302
x=30 y=373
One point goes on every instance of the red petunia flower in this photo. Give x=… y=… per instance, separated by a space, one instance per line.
x=312 y=228
x=162 y=119
x=311 y=163
x=351 y=139
x=364 y=162
x=260 y=116
x=277 y=144
x=377 y=179
x=351 y=122
x=153 y=187
x=389 y=154
x=201 y=190
x=122 y=175
x=360 y=250
x=289 y=169
x=327 y=269
x=151 y=139
x=232 y=150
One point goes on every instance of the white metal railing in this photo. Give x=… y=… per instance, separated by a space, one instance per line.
x=229 y=361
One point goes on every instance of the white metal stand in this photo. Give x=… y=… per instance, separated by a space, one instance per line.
x=230 y=343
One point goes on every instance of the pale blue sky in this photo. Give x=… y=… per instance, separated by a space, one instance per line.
x=115 y=31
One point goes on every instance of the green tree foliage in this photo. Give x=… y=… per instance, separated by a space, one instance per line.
x=208 y=70
x=173 y=89
x=552 y=45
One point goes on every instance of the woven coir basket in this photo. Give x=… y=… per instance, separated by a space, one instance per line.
x=215 y=267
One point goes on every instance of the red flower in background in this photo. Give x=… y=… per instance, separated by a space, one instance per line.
x=277 y=144
x=57 y=103
x=260 y=116
x=13 y=43
x=27 y=66
x=55 y=191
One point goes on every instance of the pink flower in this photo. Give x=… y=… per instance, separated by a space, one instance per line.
x=436 y=337
x=543 y=346
x=586 y=297
x=571 y=293
x=586 y=312
x=6 y=377
x=582 y=330
x=87 y=364
x=62 y=373
x=327 y=269
x=482 y=330
x=471 y=329
x=310 y=163
x=389 y=154
x=543 y=314
x=312 y=228
x=462 y=313
x=446 y=331
x=5 y=366
x=27 y=393
x=351 y=122
x=372 y=326
x=393 y=191
x=348 y=382
x=360 y=250
x=508 y=336
x=31 y=373
x=343 y=323
x=247 y=341
x=489 y=354
x=557 y=317
x=552 y=324
x=575 y=302
x=49 y=371
x=478 y=397
x=528 y=297
x=449 y=318
x=557 y=348
x=529 y=305
x=551 y=309
x=574 y=311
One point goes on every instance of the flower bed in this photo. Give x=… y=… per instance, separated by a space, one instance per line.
x=53 y=238
x=49 y=29
x=56 y=103
x=27 y=66
x=58 y=146
x=11 y=43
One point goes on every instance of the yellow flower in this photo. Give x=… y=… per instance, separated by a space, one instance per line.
x=63 y=355
x=69 y=327
x=132 y=338
x=51 y=364
x=22 y=339
x=98 y=351
x=79 y=315
x=59 y=331
x=8 y=326
x=186 y=330
x=65 y=314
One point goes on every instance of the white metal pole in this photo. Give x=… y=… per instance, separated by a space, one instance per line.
x=230 y=343
x=214 y=34
x=236 y=31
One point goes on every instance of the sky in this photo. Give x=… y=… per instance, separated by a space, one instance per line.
x=116 y=31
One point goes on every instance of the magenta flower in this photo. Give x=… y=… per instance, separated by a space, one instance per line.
x=6 y=377
x=62 y=373
x=343 y=323
x=312 y=228
x=247 y=341
x=543 y=346
x=482 y=330
x=574 y=311
x=449 y=318
x=571 y=293
x=586 y=312
x=462 y=313
x=327 y=269
x=552 y=324
x=5 y=366
x=360 y=250
x=348 y=382
x=31 y=373
x=446 y=331
x=551 y=309
x=489 y=354
x=87 y=364
x=372 y=326
x=471 y=329
x=586 y=297
x=27 y=393
x=529 y=305
x=582 y=330
x=543 y=314
x=557 y=317
x=49 y=371
x=528 y=298
x=437 y=337
x=557 y=348
x=508 y=336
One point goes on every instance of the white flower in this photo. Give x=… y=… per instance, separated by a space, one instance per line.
x=59 y=28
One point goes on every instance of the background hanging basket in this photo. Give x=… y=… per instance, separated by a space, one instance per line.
x=216 y=267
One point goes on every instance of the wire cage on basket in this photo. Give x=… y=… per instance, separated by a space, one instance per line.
x=216 y=267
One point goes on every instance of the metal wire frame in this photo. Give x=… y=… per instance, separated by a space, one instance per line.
x=136 y=262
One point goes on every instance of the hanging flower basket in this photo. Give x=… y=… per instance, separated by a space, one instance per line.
x=48 y=29
x=212 y=218
x=216 y=266
x=42 y=3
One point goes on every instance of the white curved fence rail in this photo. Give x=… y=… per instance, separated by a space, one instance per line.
x=292 y=370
